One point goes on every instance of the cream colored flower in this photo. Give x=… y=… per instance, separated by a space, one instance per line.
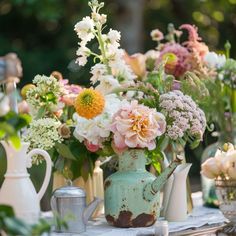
x=211 y=168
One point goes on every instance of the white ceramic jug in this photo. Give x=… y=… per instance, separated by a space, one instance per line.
x=177 y=203
x=17 y=189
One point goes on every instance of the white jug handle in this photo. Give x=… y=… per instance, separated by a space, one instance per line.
x=47 y=177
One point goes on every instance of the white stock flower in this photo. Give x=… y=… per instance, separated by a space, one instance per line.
x=214 y=60
x=96 y=130
x=83 y=52
x=101 y=18
x=113 y=36
x=107 y=84
x=4 y=104
x=84 y=29
x=98 y=71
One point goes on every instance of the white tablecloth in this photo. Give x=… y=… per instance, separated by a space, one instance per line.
x=199 y=217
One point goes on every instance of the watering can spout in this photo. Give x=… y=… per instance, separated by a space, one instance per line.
x=151 y=189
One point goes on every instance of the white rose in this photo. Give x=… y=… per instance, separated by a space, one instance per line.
x=4 y=105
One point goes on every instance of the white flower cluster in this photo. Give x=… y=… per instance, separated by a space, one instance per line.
x=112 y=71
x=43 y=133
x=4 y=104
x=184 y=117
x=214 y=60
x=46 y=92
x=97 y=130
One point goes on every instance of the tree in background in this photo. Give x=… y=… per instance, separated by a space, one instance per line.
x=41 y=31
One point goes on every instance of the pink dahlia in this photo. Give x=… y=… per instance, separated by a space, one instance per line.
x=137 y=126
x=180 y=65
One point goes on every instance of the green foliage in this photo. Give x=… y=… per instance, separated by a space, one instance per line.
x=11 y=124
x=13 y=226
x=74 y=160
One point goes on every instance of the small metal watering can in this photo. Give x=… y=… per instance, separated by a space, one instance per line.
x=70 y=202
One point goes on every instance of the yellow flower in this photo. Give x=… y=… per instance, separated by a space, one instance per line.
x=25 y=89
x=89 y=103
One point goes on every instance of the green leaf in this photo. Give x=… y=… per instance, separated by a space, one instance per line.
x=7 y=210
x=15 y=140
x=41 y=112
x=64 y=151
x=15 y=226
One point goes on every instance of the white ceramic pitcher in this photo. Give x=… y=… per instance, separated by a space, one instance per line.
x=177 y=200
x=17 y=189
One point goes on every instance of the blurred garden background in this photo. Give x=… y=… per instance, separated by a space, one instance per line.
x=42 y=33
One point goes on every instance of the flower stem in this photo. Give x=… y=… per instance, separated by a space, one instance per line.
x=102 y=49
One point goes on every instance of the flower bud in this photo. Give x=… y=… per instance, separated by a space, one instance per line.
x=64 y=131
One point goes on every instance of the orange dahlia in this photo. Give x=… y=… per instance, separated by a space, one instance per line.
x=89 y=103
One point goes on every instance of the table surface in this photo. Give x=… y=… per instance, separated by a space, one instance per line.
x=202 y=221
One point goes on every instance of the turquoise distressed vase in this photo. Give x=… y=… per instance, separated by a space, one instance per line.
x=132 y=194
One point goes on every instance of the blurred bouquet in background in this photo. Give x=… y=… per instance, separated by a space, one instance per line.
x=222 y=165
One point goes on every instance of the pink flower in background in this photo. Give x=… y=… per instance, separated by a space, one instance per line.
x=194 y=43
x=180 y=65
x=91 y=147
x=71 y=91
x=137 y=126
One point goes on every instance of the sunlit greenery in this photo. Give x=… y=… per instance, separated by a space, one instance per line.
x=41 y=31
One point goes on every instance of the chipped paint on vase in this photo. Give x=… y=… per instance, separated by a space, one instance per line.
x=132 y=194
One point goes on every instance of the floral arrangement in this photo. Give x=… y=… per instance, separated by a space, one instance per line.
x=133 y=102
x=50 y=101
x=223 y=165
x=129 y=106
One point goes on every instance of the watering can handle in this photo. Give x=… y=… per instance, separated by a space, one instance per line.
x=47 y=158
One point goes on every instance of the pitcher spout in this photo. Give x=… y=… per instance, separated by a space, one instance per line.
x=90 y=209
x=151 y=189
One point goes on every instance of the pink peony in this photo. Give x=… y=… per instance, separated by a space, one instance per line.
x=91 y=147
x=137 y=126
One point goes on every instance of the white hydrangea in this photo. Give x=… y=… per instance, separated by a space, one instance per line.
x=4 y=104
x=96 y=130
x=43 y=133
x=214 y=60
x=184 y=116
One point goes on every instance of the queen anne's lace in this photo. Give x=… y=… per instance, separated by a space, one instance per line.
x=43 y=133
